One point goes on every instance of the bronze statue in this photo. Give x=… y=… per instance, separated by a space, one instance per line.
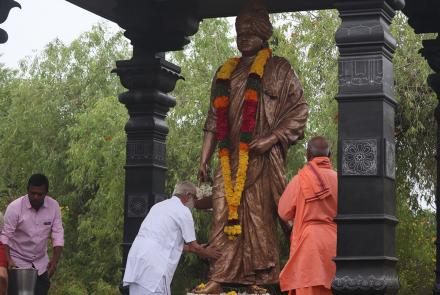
x=257 y=112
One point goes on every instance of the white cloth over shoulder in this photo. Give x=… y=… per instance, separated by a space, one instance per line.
x=158 y=246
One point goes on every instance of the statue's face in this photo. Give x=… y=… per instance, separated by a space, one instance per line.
x=247 y=42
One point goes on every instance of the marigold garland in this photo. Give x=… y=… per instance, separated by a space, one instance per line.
x=221 y=104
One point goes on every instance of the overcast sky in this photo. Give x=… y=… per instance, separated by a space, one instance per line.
x=41 y=21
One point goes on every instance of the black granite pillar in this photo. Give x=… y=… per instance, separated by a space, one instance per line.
x=153 y=27
x=431 y=51
x=366 y=262
x=149 y=78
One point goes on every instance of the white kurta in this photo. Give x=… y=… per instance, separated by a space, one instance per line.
x=158 y=246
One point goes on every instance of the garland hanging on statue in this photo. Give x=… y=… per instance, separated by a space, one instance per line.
x=221 y=103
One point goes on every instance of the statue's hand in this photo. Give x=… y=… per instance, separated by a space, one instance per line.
x=203 y=176
x=259 y=146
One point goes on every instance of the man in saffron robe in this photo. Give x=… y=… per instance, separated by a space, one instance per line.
x=310 y=202
x=253 y=258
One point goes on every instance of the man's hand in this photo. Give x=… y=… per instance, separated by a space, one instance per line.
x=11 y=263
x=210 y=252
x=51 y=268
x=259 y=146
x=3 y=280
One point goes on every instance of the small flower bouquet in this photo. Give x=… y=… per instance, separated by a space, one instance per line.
x=204 y=190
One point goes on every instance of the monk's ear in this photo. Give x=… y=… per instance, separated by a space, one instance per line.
x=308 y=155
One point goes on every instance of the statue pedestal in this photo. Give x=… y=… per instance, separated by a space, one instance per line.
x=225 y=293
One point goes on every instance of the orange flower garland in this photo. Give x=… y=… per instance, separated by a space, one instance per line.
x=233 y=193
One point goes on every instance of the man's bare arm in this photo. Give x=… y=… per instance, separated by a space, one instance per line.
x=52 y=266
x=203 y=252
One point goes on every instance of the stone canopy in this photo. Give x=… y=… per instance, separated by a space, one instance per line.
x=206 y=8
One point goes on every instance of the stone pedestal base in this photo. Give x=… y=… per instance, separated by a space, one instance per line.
x=225 y=293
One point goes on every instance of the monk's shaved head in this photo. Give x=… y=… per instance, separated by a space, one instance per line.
x=318 y=146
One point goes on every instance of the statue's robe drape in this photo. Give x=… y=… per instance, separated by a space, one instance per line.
x=253 y=258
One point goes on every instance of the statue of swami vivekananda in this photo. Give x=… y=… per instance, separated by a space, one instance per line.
x=257 y=112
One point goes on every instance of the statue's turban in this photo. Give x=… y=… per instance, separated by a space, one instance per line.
x=255 y=18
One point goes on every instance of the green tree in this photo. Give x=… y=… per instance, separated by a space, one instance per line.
x=96 y=158
x=415 y=150
x=41 y=105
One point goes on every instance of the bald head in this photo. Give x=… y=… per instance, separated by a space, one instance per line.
x=318 y=146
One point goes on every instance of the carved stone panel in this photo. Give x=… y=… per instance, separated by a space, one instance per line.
x=390 y=156
x=364 y=284
x=137 y=206
x=359 y=157
x=360 y=31
x=146 y=151
x=360 y=73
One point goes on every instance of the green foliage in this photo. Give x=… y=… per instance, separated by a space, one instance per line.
x=59 y=115
x=415 y=142
x=96 y=157
x=416 y=137
x=415 y=248
x=302 y=38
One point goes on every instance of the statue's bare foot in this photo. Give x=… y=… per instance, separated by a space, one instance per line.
x=210 y=288
x=254 y=289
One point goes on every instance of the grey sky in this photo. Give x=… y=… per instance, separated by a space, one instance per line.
x=41 y=21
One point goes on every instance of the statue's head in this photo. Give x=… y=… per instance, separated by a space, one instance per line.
x=253 y=27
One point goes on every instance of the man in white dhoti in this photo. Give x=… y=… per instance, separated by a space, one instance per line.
x=167 y=230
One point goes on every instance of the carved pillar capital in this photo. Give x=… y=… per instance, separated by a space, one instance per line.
x=366 y=49
x=5 y=7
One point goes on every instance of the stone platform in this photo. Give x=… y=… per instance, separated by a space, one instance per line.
x=228 y=293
